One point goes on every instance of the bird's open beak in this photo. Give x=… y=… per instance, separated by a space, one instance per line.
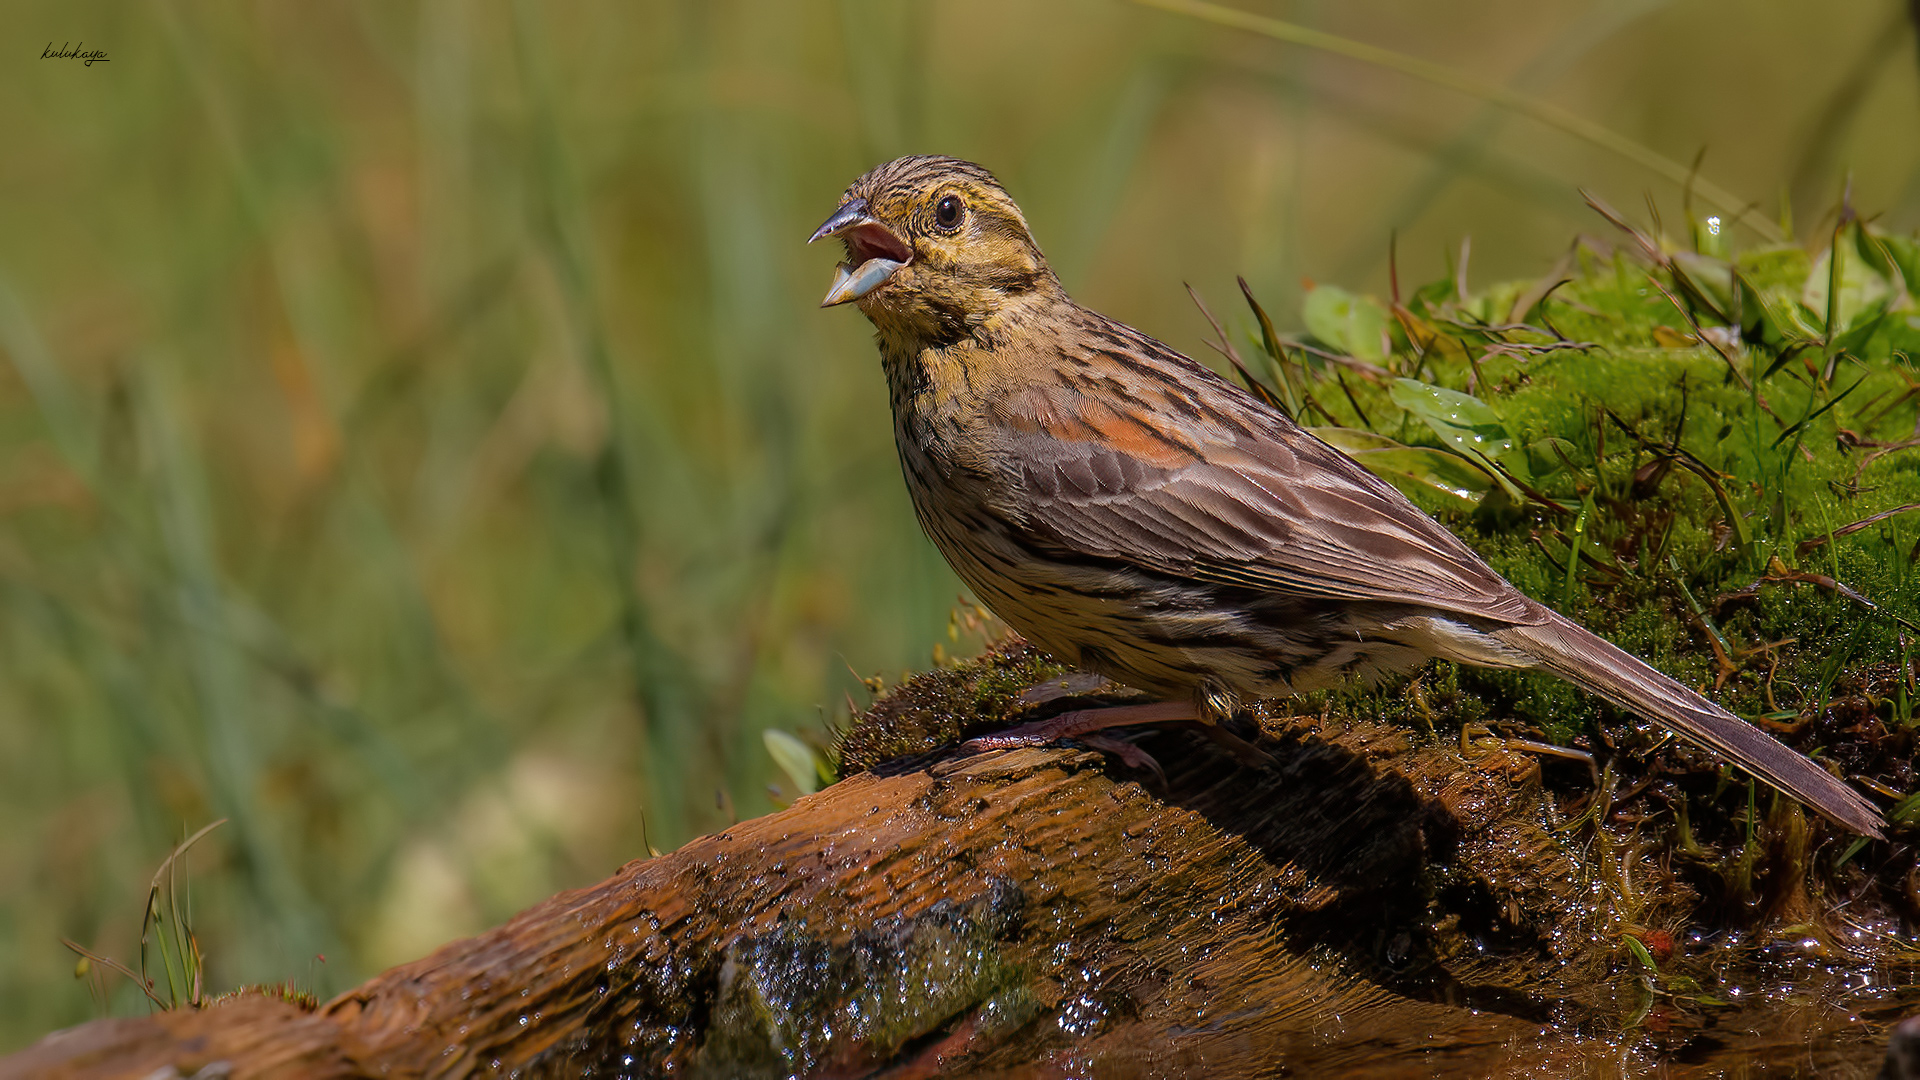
x=874 y=252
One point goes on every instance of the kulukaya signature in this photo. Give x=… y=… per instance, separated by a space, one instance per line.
x=76 y=52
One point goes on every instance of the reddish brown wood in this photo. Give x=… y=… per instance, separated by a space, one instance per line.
x=1358 y=903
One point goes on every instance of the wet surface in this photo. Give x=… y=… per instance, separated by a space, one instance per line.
x=1556 y=928
x=1354 y=898
x=1358 y=899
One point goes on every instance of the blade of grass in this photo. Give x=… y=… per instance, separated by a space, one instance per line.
x=180 y=505
x=1813 y=164
x=172 y=941
x=1440 y=75
x=1797 y=430
x=1598 y=25
x=661 y=678
x=1276 y=357
x=1575 y=537
x=74 y=432
x=1107 y=172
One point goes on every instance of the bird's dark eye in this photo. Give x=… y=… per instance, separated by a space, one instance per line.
x=947 y=213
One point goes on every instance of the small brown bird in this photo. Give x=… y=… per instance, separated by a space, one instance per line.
x=1135 y=514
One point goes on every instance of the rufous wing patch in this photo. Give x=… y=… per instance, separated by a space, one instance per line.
x=1071 y=418
x=1140 y=436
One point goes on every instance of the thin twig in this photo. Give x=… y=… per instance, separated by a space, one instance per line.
x=1701 y=335
x=115 y=965
x=1812 y=543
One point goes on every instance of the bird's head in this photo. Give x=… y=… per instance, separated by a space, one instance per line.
x=935 y=249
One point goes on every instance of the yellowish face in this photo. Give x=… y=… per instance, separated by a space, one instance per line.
x=935 y=247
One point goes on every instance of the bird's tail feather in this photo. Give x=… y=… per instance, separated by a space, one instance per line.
x=1603 y=669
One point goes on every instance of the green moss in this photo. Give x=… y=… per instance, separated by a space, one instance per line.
x=796 y=1002
x=304 y=1000
x=943 y=706
x=1705 y=467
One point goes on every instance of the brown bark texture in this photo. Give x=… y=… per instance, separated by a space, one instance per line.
x=1345 y=898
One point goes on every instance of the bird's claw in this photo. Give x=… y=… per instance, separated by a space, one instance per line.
x=1129 y=754
x=1243 y=751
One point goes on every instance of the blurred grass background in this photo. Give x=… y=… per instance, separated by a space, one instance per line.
x=418 y=442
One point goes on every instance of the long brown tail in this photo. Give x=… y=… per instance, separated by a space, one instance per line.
x=1601 y=668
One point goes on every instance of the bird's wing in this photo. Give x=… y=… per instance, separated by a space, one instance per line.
x=1186 y=475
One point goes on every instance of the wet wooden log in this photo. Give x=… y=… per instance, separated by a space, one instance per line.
x=1350 y=899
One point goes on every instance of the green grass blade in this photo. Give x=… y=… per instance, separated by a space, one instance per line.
x=1440 y=75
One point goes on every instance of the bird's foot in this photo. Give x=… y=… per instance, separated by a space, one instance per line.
x=1243 y=751
x=1085 y=725
x=1128 y=753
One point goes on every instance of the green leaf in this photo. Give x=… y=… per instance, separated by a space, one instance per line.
x=795 y=758
x=1574 y=543
x=1464 y=422
x=1432 y=296
x=1543 y=462
x=1712 y=277
x=1640 y=952
x=1902 y=334
x=1786 y=265
x=1860 y=288
x=1415 y=470
x=1495 y=302
x=1905 y=811
x=1781 y=311
x=1356 y=325
x=1862 y=328
x=1878 y=252
x=1905 y=253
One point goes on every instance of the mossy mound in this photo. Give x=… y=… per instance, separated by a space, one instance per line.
x=1709 y=458
x=945 y=705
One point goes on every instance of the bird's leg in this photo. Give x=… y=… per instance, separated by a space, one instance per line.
x=1082 y=722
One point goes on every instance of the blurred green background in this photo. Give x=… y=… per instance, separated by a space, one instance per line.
x=419 y=443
